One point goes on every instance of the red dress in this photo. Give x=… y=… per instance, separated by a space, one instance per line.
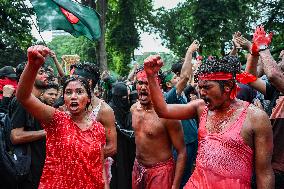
x=224 y=160
x=73 y=156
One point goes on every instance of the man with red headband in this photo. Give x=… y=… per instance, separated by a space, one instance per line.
x=232 y=136
x=154 y=166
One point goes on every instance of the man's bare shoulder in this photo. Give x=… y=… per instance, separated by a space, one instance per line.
x=134 y=107
x=105 y=108
x=258 y=118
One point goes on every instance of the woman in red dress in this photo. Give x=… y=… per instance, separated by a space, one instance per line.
x=74 y=144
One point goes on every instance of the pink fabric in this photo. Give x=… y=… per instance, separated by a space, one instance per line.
x=224 y=160
x=73 y=156
x=160 y=175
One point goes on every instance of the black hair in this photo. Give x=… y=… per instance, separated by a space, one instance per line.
x=50 y=86
x=19 y=70
x=87 y=70
x=85 y=84
x=176 y=68
x=228 y=64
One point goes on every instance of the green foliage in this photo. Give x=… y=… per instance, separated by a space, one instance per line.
x=69 y=45
x=122 y=37
x=213 y=23
x=168 y=58
x=15 y=32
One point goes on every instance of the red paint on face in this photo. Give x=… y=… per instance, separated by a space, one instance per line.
x=211 y=93
x=75 y=97
x=143 y=91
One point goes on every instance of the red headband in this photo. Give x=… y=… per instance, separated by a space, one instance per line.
x=142 y=75
x=243 y=78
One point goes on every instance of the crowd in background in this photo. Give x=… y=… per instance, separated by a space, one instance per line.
x=110 y=105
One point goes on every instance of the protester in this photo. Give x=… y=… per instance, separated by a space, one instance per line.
x=49 y=94
x=74 y=142
x=271 y=90
x=99 y=110
x=175 y=95
x=7 y=77
x=233 y=135
x=27 y=130
x=154 y=138
x=124 y=158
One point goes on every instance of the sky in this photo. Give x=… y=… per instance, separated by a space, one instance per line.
x=149 y=42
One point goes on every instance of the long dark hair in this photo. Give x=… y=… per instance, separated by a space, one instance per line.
x=85 y=84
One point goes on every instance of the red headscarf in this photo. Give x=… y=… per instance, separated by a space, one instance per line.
x=243 y=78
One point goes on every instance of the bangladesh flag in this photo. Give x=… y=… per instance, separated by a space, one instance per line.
x=69 y=16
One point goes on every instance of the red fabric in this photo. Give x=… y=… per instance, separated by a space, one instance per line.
x=70 y=17
x=223 y=159
x=7 y=81
x=160 y=175
x=143 y=76
x=73 y=156
x=243 y=78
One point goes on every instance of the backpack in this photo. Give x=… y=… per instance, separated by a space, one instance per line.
x=15 y=160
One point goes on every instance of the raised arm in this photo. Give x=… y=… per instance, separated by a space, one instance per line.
x=132 y=72
x=251 y=67
x=186 y=70
x=36 y=57
x=236 y=45
x=58 y=66
x=272 y=70
x=170 y=111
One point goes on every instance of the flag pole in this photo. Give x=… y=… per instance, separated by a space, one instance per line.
x=29 y=13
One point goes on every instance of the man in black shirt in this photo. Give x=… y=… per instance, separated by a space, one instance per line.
x=27 y=130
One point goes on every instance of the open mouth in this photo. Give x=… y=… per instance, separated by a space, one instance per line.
x=74 y=105
x=143 y=95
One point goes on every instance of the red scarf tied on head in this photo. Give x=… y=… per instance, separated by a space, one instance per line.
x=141 y=75
x=243 y=78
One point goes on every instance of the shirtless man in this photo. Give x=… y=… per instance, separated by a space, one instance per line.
x=233 y=135
x=154 y=166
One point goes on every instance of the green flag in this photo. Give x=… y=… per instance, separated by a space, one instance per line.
x=69 y=16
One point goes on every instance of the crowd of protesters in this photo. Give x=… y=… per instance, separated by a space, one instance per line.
x=207 y=123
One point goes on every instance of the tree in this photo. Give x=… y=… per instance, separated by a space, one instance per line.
x=15 y=32
x=69 y=45
x=125 y=18
x=214 y=22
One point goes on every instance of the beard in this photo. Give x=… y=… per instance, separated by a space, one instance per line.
x=40 y=84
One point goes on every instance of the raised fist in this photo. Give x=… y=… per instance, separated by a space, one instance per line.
x=260 y=40
x=52 y=54
x=8 y=90
x=152 y=65
x=194 y=46
x=37 y=55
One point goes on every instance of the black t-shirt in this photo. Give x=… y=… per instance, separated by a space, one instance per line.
x=246 y=93
x=21 y=118
x=272 y=94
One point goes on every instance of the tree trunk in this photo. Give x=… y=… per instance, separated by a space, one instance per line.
x=101 y=7
x=101 y=49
